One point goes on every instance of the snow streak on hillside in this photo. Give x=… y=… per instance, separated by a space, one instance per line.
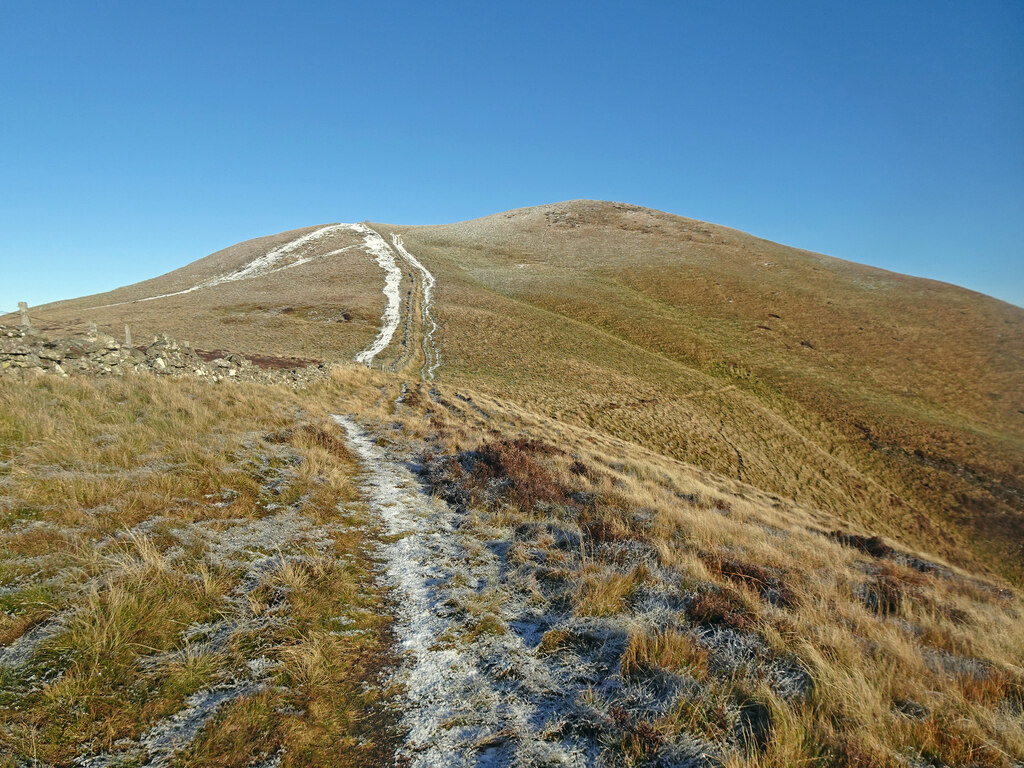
x=298 y=251
x=378 y=247
x=266 y=264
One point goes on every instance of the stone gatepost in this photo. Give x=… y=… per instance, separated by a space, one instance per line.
x=23 y=309
x=127 y=335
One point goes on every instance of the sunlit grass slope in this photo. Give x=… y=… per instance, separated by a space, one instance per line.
x=325 y=307
x=904 y=655
x=164 y=538
x=893 y=401
x=896 y=402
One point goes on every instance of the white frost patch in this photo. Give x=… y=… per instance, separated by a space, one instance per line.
x=285 y=257
x=159 y=745
x=431 y=355
x=306 y=259
x=461 y=711
x=271 y=262
x=438 y=680
x=266 y=264
x=177 y=732
x=379 y=248
x=18 y=653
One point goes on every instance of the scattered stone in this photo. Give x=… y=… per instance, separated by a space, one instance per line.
x=26 y=354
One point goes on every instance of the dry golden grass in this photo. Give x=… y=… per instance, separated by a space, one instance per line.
x=907 y=653
x=887 y=400
x=663 y=649
x=890 y=401
x=926 y=659
x=750 y=414
x=327 y=708
x=100 y=480
x=603 y=594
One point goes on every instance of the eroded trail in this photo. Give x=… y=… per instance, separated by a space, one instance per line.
x=428 y=325
x=419 y=325
x=486 y=702
x=385 y=256
x=416 y=318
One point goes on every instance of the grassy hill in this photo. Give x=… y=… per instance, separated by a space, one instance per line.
x=674 y=496
x=893 y=402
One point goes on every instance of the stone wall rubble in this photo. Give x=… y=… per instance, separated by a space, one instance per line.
x=26 y=353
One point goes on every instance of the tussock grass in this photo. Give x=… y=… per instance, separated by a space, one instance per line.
x=906 y=654
x=603 y=594
x=118 y=491
x=668 y=649
x=327 y=707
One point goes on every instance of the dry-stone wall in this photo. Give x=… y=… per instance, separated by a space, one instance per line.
x=26 y=353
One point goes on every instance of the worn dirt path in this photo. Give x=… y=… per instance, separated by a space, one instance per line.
x=465 y=704
x=428 y=325
x=481 y=687
x=419 y=327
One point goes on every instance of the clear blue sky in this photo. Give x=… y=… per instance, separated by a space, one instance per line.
x=138 y=136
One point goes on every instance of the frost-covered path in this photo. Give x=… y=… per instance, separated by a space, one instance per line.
x=468 y=701
x=498 y=670
x=418 y=324
x=385 y=256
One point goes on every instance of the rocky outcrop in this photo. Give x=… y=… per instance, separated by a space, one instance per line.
x=25 y=353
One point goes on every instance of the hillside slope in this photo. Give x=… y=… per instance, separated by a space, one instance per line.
x=371 y=570
x=892 y=400
x=894 y=403
x=589 y=485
